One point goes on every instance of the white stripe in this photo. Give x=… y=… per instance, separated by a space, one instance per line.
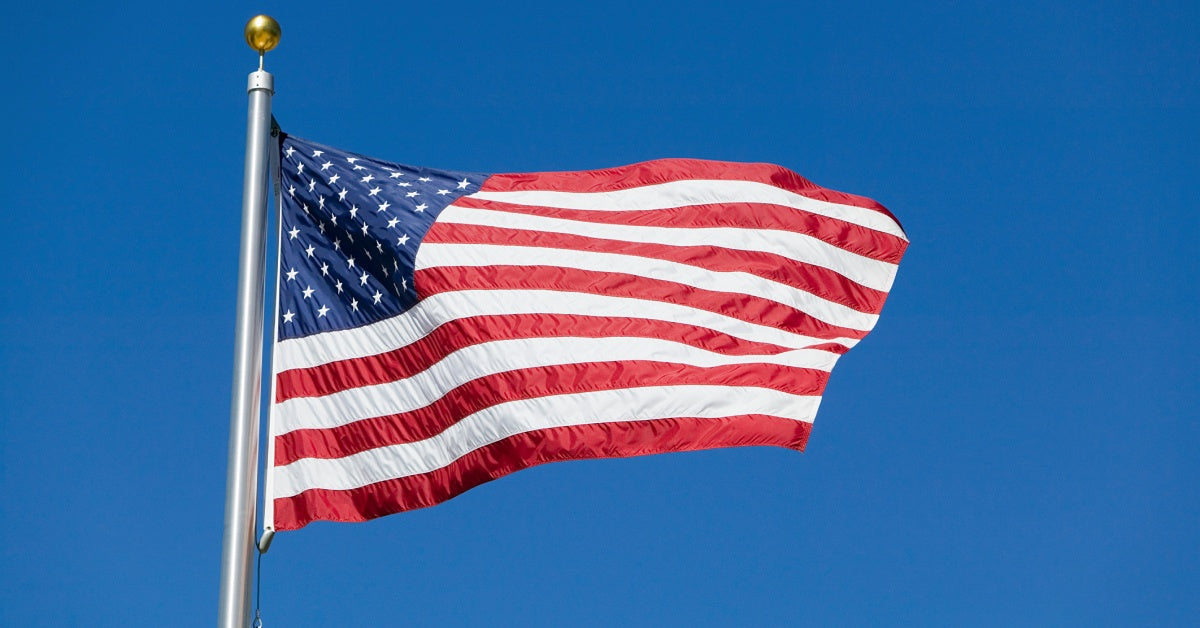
x=490 y=358
x=498 y=422
x=433 y=311
x=796 y=246
x=696 y=192
x=433 y=255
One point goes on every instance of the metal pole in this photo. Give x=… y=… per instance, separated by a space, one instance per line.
x=241 y=484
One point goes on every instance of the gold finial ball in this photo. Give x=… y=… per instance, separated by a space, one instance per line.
x=262 y=33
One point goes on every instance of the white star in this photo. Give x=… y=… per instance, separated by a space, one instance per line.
x=334 y=178
x=300 y=168
x=420 y=208
x=342 y=195
x=312 y=183
x=325 y=269
x=318 y=153
x=350 y=262
x=392 y=223
x=443 y=192
x=367 y=179
x=310 y=250
x=404 y=184
x=333 y=218
x=292 y=191
x=362 y=279
x=424 y=179
x=384 y=206
x=412 y=194
x=322 y=312
x=338 y=285
x=364 y=228
x=293 y=233
x=358 y=167
x=353 y=211
x=337 y=244
x=373 y=192
x=321 y=227
x=397 y=174
x=379 y=246
x=404 y=284
x=291 y=274
x=354 y=304
x=325 y=166
x=289 y=151
x=288 y=316
x=402 y=240
x=352 y=159
x=321 y=202
x=308 y=292
x=377 y=296
x=462 y=185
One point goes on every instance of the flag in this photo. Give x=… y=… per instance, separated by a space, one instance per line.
x=437 y=329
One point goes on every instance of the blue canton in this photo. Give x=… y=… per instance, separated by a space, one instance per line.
x=349 y=233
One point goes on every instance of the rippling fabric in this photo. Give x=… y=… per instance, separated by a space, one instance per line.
x=440 y=329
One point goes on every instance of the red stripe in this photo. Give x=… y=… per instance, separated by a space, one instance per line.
x=453 y=335
x=822 y=282
x=666 y=170
x=831 y=347
x=744 y=307
x=484 y=392
x=857 y=239
x=604 y=440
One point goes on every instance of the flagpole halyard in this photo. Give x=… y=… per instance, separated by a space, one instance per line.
x=262 y=34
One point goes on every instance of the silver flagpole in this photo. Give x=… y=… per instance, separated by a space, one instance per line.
x=241 y=484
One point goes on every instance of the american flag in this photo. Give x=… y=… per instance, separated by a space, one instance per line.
x=436 y=329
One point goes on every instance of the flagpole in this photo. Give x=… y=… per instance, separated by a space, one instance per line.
x=241 y=484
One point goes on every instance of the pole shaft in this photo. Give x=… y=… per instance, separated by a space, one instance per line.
x=241 y=485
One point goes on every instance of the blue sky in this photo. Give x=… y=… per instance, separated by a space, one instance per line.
x=1014 y=444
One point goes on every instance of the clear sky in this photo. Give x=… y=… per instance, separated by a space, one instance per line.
x=1015 y=444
